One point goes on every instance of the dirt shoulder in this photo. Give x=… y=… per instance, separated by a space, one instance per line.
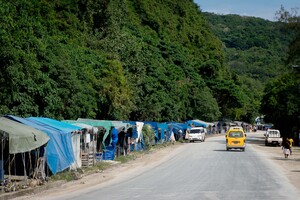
x=290 y=165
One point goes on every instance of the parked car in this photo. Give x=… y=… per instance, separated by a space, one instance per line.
x=197 y=134
x=273 y=137
x=235 y=138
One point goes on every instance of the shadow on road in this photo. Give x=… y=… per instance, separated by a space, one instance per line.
x=280 y=158
x=255 y=141
x=220 y=150
x=232 y=150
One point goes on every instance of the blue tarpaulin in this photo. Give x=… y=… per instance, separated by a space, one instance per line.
x=160 y=130
x=57 y=124
x=62 y=126
x=178 y=128
x=199 y=123
x=59 y=156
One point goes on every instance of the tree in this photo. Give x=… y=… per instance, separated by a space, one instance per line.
x=281 y=103
x=291 y=21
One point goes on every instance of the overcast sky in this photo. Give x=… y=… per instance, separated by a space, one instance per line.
x=259 y=8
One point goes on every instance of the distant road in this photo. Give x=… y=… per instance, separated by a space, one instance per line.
x=201 y=171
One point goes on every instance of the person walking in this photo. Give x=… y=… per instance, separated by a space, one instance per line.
x=286 y=148
x=291 y=141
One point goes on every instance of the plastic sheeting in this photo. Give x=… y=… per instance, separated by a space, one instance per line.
x=59 y=155
x=199 y=123
x=22 y=138
x=178 y=129
x=62 y=126
x=105 y=124
x=77 y=151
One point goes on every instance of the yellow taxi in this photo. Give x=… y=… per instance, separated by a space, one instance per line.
x=235 y=138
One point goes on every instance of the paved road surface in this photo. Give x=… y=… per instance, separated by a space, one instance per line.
x=199 y=171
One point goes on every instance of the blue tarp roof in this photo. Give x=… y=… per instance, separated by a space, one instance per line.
x=63 y=126
x=197 y=122
x=179 y=126
x=58 y=154
x=159 y=126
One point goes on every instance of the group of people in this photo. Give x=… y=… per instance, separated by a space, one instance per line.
x=287 y=147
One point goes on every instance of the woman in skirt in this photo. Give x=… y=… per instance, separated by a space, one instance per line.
x=286 y=149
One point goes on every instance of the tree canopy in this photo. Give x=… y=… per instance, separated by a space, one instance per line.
x=136 y=59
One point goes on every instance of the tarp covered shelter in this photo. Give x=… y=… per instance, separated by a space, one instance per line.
x=163 y=127
x=199 y=123
x=58 y=156
x=57 y=124
x=62 y=126
x=99 y=123
x=159 y=130
x=21 y=138
x=179 y=129
x=121 y=125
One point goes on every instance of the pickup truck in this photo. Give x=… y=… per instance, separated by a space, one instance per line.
x=273 y=137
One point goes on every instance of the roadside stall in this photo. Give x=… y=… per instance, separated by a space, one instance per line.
x=22 y=154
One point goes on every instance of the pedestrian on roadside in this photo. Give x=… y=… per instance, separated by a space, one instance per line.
x=291 y=141
x=286 y=148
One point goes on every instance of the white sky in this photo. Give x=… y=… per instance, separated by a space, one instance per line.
x=259 y=8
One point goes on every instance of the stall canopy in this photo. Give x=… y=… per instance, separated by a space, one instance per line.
x=57 y=124
x=89 y=128
x=59 y=157
x=22 y=138
x=199 y=123
x=62 y=126
x=98 y=123
x=178 y=128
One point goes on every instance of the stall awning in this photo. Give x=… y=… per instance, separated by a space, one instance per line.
x=22 y=138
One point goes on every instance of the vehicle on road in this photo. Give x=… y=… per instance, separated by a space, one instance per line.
x=197 y=134
x=235 y=138
x=273 y=137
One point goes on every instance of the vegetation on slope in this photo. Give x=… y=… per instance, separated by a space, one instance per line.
x=114 y=59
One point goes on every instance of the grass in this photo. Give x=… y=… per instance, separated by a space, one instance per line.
x=70 y=175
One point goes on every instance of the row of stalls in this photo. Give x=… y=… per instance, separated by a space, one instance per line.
x=38 y=147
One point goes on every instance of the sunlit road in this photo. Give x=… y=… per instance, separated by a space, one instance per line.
x=202 y=171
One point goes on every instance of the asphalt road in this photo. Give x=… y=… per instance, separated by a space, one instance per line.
x=200 y=171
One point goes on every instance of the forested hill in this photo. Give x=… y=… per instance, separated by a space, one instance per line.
x=255 y=48
x=115 y=59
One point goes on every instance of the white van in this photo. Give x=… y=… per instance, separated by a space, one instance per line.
x=197 y=134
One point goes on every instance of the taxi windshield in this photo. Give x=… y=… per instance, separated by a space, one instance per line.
x=236 y=134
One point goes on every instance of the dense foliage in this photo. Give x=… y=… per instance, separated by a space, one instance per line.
x=107 y=59
x=255 y=52
x=133 y=59
x=281 y=102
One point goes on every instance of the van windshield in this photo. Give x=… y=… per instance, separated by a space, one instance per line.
x=236 y=134
x=196 y=131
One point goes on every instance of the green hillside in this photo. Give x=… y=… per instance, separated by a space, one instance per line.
x=114 y=59
x=262 y=54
